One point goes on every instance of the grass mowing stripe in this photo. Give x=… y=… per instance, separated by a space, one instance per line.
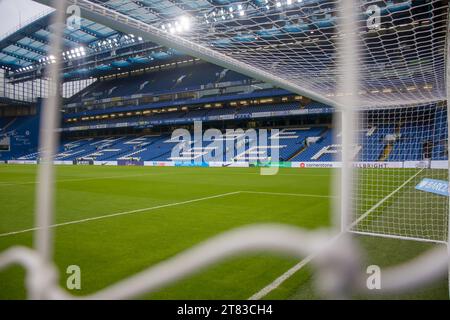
x=163 y=206
x=122 y=213
x=8 y=184
x=278 y=281
x=289 y=194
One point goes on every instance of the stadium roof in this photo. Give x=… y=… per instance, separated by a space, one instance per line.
x=292 y=44
x=28 y=45
x=25 y=49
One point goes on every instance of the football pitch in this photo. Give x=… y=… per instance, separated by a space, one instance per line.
x=116 y=221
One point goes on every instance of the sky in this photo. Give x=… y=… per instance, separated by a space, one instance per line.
x=15 y=13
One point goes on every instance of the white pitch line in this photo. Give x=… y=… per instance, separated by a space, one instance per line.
x=259 y=174
x=86 y=179
x=278 y=281
x=157 y=207
x=383 y=200
x=121 y=213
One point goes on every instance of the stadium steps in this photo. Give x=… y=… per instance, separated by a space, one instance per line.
x=118 y=154
x=303 y=148
x=386 y=152
x=153 y=151
x=9 y=124
x=83 y=93
x=164 y=156
x=127 y=151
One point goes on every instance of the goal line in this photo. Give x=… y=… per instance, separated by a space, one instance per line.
x=289 y=273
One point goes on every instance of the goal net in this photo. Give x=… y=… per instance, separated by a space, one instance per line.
x=294 y=44
x=401 y=173
x=400 y=142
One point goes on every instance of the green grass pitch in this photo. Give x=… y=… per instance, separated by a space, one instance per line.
x=112 y=248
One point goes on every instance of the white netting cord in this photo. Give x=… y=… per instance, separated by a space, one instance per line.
x=386 y=202
x=337 y=264
x=400 y=144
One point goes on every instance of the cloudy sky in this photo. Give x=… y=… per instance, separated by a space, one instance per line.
x=16 y=12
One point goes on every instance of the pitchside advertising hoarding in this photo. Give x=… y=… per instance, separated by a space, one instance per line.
x=318 y=164
x=130 y=163
x=271 y=164
x=83 y=162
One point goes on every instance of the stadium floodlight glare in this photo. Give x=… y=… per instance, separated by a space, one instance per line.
x=185 y=23
x=177 y=26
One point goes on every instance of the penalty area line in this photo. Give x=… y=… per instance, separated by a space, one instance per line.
x=155 y=208
x=122 y=213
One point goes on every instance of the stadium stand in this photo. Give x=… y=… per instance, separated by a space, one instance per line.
x=176 y=80
x=296 y=144
x=129 y=116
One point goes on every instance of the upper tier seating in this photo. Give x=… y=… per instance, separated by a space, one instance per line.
x=172 y=80
x=7 y=124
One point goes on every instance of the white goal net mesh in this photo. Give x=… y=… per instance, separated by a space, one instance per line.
x=401 y=138
x=401 y=61
x=401 y=42
x=401 y=172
